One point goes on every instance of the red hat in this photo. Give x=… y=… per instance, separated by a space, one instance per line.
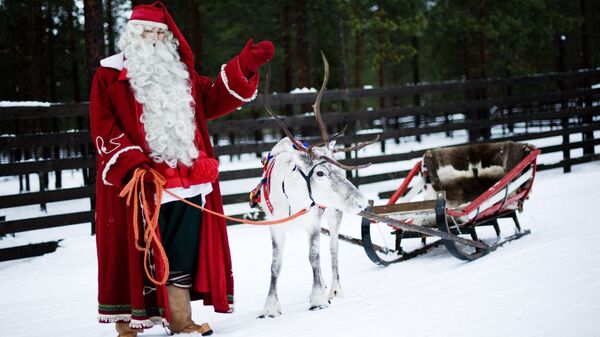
x=149 y=15
x=156 y=15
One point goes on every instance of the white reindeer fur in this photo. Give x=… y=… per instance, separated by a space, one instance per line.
x=333 y=191
x=448 y=173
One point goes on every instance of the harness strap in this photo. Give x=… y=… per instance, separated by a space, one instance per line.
x=286 y=196
x=267 y=185
x=307 y=179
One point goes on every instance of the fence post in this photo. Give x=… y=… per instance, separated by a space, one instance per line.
x=258 y=133
x=57 y=173
x=586 y=34
x=562 y=66
x=588 y=136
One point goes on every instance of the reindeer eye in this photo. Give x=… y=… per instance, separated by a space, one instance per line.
x=320 y=173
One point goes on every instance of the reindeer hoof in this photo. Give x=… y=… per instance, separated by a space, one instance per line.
x=318 y=307
x=272 y=308
x=265 y=316
x=270 y=313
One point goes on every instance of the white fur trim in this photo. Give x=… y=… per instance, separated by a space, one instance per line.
x=114 y=61
x=114 y=318
x=149 y=23
x=134 y=323
x=146 y=323
x=113 y=160
x=233 y=93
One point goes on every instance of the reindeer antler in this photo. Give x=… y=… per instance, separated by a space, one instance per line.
x=323 y=129
x=357 y=146
x=279 y=121
x=317 y=105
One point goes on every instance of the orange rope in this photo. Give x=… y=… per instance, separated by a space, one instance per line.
x=131 y=192
x=244 y=221
x=134 y=192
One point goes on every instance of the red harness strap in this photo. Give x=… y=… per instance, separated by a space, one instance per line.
x=267 y=185
x=264 y=185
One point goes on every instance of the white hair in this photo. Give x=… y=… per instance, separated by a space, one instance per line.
x=161 y=83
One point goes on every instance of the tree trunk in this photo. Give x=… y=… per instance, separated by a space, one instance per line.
x=381 y=81
x=381 y=64
x=94 y=37
x=562 y=67
x=35 y=56
x=110 y=27
x=344 y=75
x=71 y=31
x=357 y=51
x=13 y=77
x=194 y=23
x=416 y=79
x=343 y=58
x=302 y=57
x=36 y=76
x=288 y=75
x=484 y=113
x=469 y=95
x=509 y=93
x=586 y=63
x=94 y=44
x=50 y=51
x=585 y=34
x=302 y=44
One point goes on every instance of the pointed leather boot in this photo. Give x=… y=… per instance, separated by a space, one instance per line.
x=124 y=330
x=181 y=313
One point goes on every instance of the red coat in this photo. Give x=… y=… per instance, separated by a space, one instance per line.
x=124 y=294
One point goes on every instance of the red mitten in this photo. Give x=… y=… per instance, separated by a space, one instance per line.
x=205 y=170
x=255 y=55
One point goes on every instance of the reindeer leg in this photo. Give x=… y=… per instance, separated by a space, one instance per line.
x=272 y=306
x=334 y=219
x=318 y=300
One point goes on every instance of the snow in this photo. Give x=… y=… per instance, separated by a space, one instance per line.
x=545 y=284
x=303 y=90
x=24 y=103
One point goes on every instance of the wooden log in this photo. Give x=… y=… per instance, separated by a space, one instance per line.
x=30 y=250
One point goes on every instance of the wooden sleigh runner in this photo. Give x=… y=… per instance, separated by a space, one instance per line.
x=463 y=190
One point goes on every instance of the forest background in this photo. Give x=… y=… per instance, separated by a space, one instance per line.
x=50 y=49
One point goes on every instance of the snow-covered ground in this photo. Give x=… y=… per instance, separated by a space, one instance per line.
x=545 y=284
x=24 y=103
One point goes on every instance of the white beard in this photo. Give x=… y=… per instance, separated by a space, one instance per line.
x=161 y=84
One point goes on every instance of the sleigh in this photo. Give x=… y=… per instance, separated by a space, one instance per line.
x=463 y=192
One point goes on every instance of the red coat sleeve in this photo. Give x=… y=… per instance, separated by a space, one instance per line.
x=230 y=90
x=117 y=155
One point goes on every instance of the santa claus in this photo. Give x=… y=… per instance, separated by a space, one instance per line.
x=148 y=111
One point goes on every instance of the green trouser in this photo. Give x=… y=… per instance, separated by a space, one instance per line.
x=179 y=226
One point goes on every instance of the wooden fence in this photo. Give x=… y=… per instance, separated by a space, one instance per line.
x=39 y=140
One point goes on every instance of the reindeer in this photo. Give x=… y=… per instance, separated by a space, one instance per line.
x=307 y=177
